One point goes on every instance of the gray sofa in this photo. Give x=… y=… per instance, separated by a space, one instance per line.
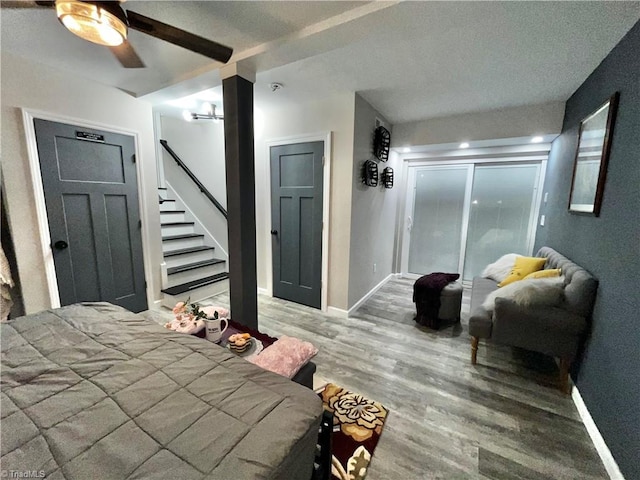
x=555 y=331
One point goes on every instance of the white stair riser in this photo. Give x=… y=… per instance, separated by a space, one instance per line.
x=196 y=274
x=176 y=230
x=197 y=294
x=171 y=217
x=168 y=206
x=172 y=245
x=186 y=258
x=163 y=194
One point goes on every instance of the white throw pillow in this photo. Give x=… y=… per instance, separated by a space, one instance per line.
x=501 y=268
x=533 y=291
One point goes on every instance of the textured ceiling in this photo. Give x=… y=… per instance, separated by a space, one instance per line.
x=410 y=60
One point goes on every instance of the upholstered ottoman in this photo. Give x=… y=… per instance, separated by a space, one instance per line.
x=447 y=313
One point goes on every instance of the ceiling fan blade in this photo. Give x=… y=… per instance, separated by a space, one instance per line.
x=27 y=4
x=127 y=56
x=179 y=37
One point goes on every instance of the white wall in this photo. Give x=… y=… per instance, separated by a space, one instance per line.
x=504 y=123
x=200 y=145
x=34 y=86
x=373 y=210
x=335 y=114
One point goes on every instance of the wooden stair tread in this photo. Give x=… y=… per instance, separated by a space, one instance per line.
x=188 y=250
x=203 y=282
x=183 y=236
x=192 y=266
x=175 y=224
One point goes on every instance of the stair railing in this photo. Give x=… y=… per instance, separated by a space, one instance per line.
x=191 y=175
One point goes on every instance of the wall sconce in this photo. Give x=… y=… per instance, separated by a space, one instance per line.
x=370 y=173
x=381 y=143
x=387 y=177
x=210 y=114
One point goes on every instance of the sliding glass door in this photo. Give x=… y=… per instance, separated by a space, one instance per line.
x=438 y=213
x=502 y=201
x=463 y=217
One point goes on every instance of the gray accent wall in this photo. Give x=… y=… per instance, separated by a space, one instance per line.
x=373 y=210
x=608 y=372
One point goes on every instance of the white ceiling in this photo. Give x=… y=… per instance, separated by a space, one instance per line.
x=410 y=60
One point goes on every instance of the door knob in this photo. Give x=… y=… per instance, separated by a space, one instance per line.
x=61 y=244
x=274 y=232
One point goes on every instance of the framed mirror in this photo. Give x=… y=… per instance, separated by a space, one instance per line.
x=592 y=155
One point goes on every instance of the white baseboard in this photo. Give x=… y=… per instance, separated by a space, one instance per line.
x=609 y=462
x=359 y=303
x=337 y=312
x=263 y=291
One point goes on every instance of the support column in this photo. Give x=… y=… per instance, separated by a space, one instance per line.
x=237 y=94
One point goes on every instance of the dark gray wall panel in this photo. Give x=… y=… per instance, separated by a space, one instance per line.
x=296 y=170
x=82 y=248
x=608 y=375
x=120 y=245
x=307 y=246
x=288 y=242
x=88 y=161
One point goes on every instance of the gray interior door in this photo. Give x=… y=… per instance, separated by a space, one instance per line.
x=296 y=216
x=91 y=194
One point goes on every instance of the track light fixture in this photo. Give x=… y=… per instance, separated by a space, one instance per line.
x=210 y=114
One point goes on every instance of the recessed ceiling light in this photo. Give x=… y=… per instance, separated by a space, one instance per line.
x=406 y=150
x=464 y=145
x=537 y=139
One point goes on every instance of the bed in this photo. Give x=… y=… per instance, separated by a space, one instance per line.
x=95 y=391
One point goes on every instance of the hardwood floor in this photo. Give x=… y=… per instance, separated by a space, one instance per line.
x=500 y=419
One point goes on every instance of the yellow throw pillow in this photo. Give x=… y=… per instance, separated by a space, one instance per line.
x=552 y=272
x=523 y=267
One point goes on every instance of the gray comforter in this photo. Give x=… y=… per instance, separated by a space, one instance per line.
x=96 y=392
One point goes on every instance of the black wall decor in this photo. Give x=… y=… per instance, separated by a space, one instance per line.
x=381 y=142
x=387 y=177
x=370 y=173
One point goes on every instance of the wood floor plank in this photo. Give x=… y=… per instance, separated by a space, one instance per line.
x=500 y=419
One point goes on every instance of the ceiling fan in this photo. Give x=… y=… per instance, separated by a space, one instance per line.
x=107 y=23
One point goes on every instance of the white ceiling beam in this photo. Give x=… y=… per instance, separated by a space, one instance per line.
x=306 y=42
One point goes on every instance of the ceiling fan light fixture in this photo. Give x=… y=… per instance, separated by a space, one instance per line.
x=104 y=23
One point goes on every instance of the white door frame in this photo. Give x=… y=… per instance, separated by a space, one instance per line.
x=28 y=115
x=306 y=138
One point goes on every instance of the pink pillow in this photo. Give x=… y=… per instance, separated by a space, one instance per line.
x=286 y=356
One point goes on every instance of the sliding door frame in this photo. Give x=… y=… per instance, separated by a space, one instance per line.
x=500 y=156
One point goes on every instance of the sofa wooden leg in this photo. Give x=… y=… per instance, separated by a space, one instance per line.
x=565 y=364
x=474 y=349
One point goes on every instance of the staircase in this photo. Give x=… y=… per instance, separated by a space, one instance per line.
x=191 y=268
